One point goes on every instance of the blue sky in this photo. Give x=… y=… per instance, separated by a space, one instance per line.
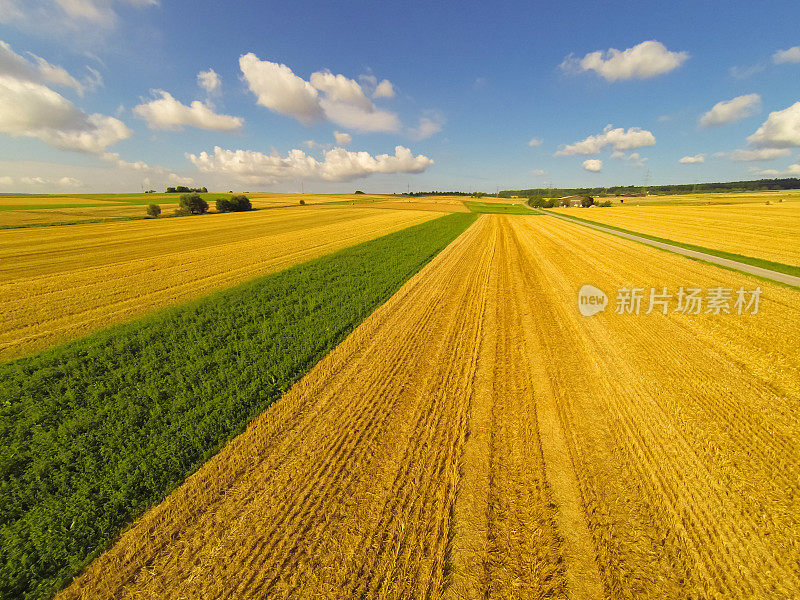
x=104 y=95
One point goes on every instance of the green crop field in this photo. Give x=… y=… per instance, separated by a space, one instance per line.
x=94 y=432
x=497 y=209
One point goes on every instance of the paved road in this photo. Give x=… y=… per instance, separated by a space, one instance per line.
x=724 y=262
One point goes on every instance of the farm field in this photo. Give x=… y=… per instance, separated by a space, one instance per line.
x=95 y=431
x=476 y=437
x=59 y=283
x=770 y=232
x=709 y=198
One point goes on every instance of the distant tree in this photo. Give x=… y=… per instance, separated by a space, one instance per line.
x=587 y=201
x=537 y=201
x=171 y=190
x=153 y=210
x=203 y=189
x=241 y=203
x=193 y=203
x=224 y=205
x=302 y=202
x=359 y=192
x=181 y=212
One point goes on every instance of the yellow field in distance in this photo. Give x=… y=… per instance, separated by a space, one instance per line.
x=58 y=283
x=770 y=232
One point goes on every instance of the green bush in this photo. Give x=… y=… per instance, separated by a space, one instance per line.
x=224 y=205
x=241 y=203
x=587 y=201
x=193 y=203
x=153 y=210
x=302 y=202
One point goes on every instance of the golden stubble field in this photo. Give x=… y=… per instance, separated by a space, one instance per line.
x=476 y=437
x=770 y=232
x=58 y=283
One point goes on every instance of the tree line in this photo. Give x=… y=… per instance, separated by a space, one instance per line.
x=790 y=183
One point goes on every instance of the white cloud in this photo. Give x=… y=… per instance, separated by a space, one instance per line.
x=168 y=113
x=619 y=139
x=70 y=182
x=279 y=89
x=744 y=72
x=6 y=181
x=538 y=172
x=341 y=89
x=209 y=81
x=338 y=164
x=593 y=165
x=428 y=126
x=384 y=89
x=113 y=157
x=732 y=111
x=535 y=142
x=792 y=55
x=762 y=154
x=342 y=101
x=634 y=158
x=310 y=144
x=178 y=180
x=353 y=117
x=29 y=109
x=41 y=71
x=792 y=170
x=342 y=139
x=693 y=160
x=780 y=130
x=33 y=180
x=643 y=61
x=70 y=13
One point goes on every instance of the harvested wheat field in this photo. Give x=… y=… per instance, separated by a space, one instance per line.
x=59 y=283
x=477 y=438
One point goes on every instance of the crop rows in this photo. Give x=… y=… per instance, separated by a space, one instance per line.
x=58 y=284
x=477 y=438
x=94 y=432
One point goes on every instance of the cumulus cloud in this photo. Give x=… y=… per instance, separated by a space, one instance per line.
x=168 y=113
x=6 y=181
x=761 y=154
x=593 y=165
x=338 y=164
x=342 y=139
x=792 y=170
x=693 y=160
x=618 y=139
x=324 y=97
x=538 y=172
x=643 y=61
x=209 y=81
x=29 y=109
x=780 y=130
x=178 y=180
x=732 y=111
x=33 y=180
x=384 y=89
x=70 y=182
x=277 y=88
x=535 y=142
x=792 y=55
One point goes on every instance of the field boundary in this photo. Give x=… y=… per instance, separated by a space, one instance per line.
x=776 y=272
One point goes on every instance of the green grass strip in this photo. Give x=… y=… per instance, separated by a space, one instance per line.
x=492 y=208
x=748 y=260
x=94 y=432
